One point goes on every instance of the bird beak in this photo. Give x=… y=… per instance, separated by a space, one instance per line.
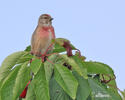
x=51 y=19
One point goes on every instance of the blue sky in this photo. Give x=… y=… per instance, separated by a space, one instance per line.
x=96 y=27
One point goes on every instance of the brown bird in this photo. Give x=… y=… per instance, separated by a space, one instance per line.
x=41 y=41
x=42 y=36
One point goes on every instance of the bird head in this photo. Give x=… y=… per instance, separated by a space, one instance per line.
x=45 y=20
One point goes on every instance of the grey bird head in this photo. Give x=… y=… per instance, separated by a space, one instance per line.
x=45 y=20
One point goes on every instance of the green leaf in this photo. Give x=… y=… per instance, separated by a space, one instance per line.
x=89 y=98
x=30 y=93
x=56 y=92
x=58 y=45
x=97 y=68
x=83 y=90
x=123 y=94
x=35 y=65
x=74 y=65
x=8 y=84
x=100 y=92
x=23 y=77
x=48 y=66
x=60 y=41
x=112 y=84
x=114 y=95
x=58 y=49
x=100 y=68
x=80 y=64
x=25 y=57
x=28 y=48
x=8 y=63
x=59 y=60
x=66 y=80
x=0 y=88
x=41 y=85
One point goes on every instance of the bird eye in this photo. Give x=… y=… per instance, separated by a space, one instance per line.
x=45 y=17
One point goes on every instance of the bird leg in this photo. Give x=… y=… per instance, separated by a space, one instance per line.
x=45 y=55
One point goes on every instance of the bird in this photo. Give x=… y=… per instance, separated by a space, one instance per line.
x=41 y=41
x=42 y=36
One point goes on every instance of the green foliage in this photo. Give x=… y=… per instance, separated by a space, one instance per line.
x=8 y=64
x=84 y=89
x=100 y=92
x=56 y=92
x=60 y=77
x=22 y=79
x=123 y=94
x=8 y=84
x=41 y=86
x=66 y=80
x=97 y=68
x=31 y=93
x=35 y=65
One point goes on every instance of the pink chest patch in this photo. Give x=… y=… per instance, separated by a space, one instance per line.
x=44 y=32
